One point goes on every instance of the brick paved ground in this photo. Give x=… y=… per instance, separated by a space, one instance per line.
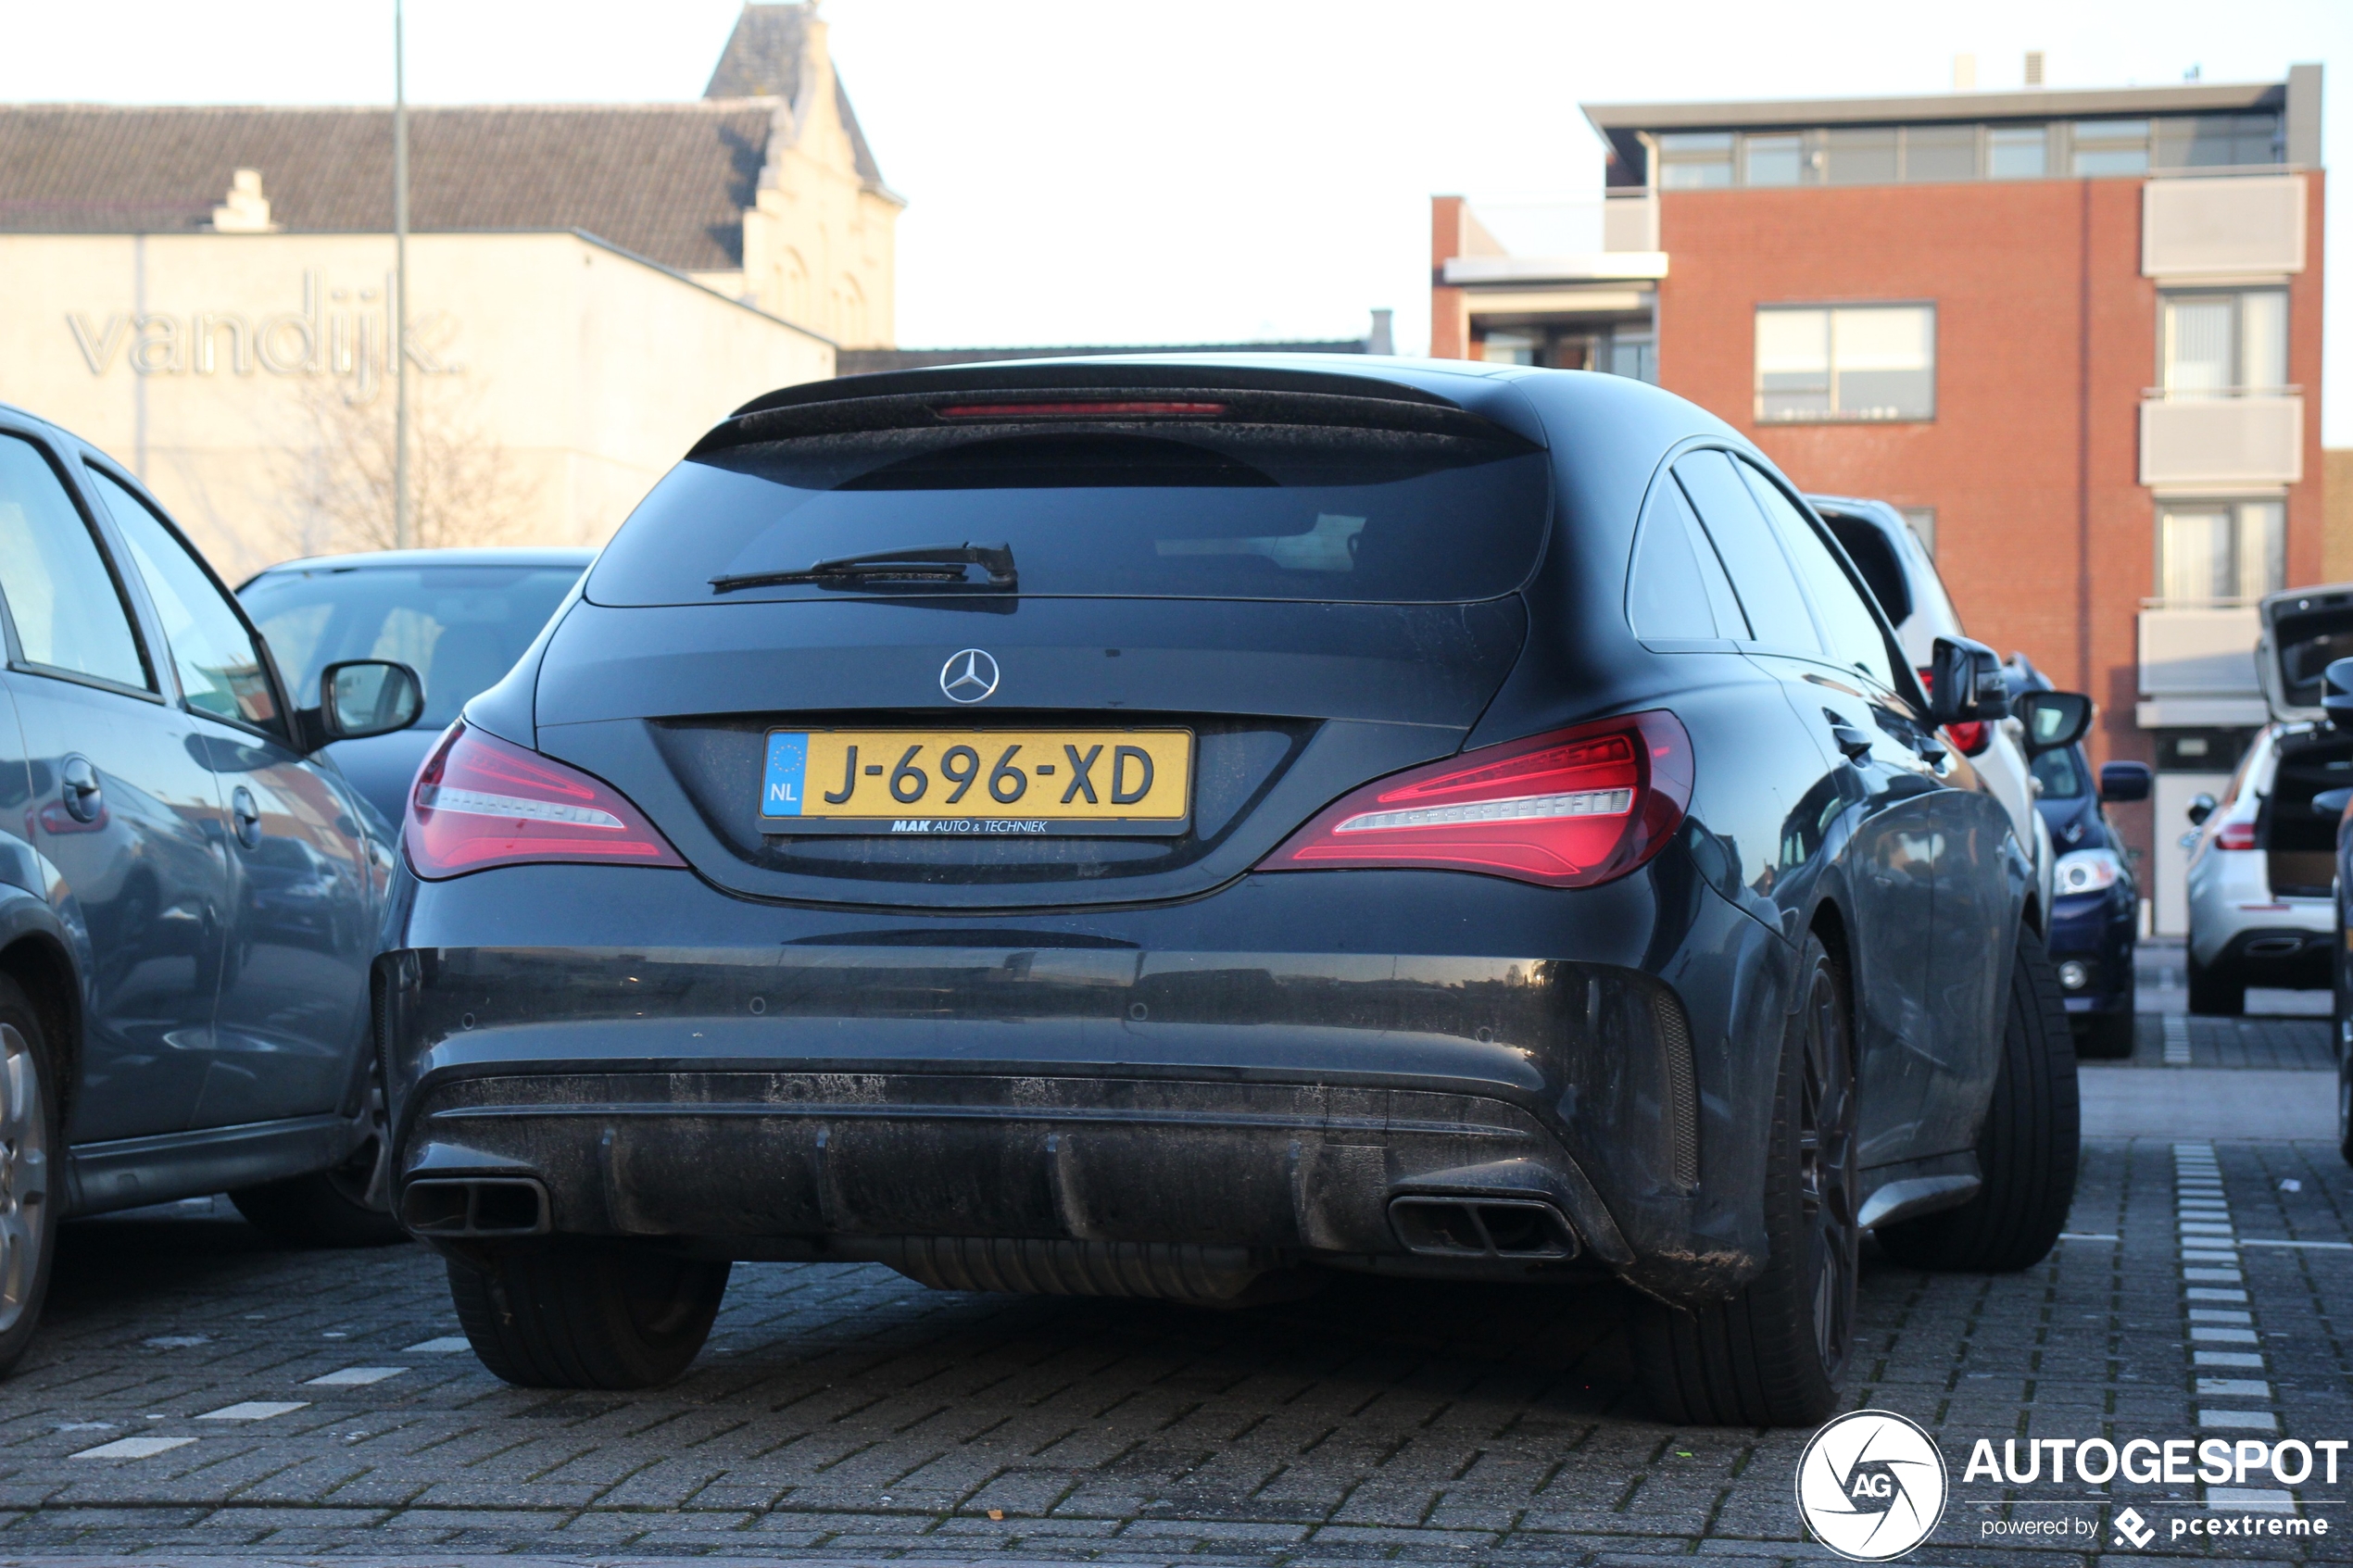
x=843 y=1413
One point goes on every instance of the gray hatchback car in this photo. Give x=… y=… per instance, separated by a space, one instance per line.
x=189 y=892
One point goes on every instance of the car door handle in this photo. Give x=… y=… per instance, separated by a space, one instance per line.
x=82 y=795
x=247 y=814
x=1851 y=741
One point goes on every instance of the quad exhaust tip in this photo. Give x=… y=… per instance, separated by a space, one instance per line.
x=1482 y=1227
x=475 y=1205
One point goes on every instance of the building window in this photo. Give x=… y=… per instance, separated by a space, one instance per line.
x=2017 y=152
x=1864 y=156
x=1507 y=348
x=2222 y=343
x=2219 y=141
x=1694 y=160
x=1940 y=152
x=1772 y=160
x=1922 y=520
x=1634 y=355
x=2211 y=552
x=2111 y=146
x=1846 y=362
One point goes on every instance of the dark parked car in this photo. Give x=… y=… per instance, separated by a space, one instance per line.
x=1175 y=828
x=459 y=618
x=189 y=895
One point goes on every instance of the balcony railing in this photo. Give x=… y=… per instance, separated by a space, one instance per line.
x=2197 y=665
x=2222 y=436
x=2224 y=225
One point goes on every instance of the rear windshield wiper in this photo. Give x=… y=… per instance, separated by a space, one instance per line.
x=926 y=563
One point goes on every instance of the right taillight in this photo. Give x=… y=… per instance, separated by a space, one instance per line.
x=1571 y=809
x=480 y=801
x=2234 y=835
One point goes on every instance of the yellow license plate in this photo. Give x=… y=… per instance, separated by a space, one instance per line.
x=977 y=781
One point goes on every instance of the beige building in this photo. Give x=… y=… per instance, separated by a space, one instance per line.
x=207 y=294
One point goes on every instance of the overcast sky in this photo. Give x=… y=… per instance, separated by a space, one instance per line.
x=1123 y=171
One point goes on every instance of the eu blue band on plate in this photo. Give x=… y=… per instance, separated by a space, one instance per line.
x=780 y=794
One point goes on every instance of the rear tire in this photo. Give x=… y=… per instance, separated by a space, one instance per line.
x=1771 y=1355
x=2105 y=1036
x=28 y=1142
x=2027 y=1150
x=586 y=1313
x=2218 y=992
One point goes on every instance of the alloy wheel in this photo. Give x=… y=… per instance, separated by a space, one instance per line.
x=24 y=1174
x=1825 y=1172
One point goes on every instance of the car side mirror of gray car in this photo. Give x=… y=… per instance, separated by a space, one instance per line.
x=2053 y=719
x=360 y=697
x=1966 y=682
x=2201 y=807
x=2337 y=693
x=2125 y=781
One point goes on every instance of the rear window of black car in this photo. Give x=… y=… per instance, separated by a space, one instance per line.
x=1261 y=512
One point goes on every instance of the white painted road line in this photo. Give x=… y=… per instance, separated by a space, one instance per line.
x=254 y=1410
x=2233 y=1388
x=134 y=1447
x=353 y=1376
x=2243 y=1420
x=447 y=1346
x=2251 y=1500
x=2177 y=1040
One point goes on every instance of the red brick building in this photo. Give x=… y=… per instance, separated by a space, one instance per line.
x=2075 y=335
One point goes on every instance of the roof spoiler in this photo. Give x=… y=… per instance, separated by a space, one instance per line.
x=1095 y=394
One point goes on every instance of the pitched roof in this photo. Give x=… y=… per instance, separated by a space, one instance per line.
x=762 y=60
x=668 y=181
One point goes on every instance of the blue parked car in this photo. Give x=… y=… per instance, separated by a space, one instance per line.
x=2096 y=901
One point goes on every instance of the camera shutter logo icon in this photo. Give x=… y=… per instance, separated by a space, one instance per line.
x=1871 y=1485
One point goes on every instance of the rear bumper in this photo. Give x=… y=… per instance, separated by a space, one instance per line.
x=2285 y=956
x=1219 y=1077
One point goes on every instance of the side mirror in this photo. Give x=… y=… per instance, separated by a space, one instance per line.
x=2053 y=719
x=1968 y=684
x=2201 y=807
x=2330 y=802
x=2125 y=781
x=367 y=697
x=2337 y=693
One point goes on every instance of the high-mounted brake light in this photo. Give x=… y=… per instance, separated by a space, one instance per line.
x=1128 y=409
x=480 y=801
x=1572 y=809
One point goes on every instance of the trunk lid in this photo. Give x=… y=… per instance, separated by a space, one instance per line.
x=2304 y=630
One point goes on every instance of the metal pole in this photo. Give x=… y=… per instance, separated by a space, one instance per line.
x=402 y=525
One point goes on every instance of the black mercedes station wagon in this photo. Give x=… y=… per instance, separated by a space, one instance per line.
x=1180 y=826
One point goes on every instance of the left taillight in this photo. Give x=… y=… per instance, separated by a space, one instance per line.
x=1571 y=809
x=480 y=801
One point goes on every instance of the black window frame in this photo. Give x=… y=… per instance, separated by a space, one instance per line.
x=134 y=607
x=97 y=463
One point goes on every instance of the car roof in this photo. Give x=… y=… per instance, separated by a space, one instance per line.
x=395 y=560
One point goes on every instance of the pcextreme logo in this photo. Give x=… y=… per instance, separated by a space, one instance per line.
x=1871 y=1486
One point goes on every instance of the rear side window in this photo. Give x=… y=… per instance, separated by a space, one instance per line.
x=459 y=627
x=1854 y=636
x=1247 y=512
x=1677 y=590
x=69 y=612
x=1760 y=571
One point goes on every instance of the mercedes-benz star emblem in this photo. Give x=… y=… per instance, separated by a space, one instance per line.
x=968 y=676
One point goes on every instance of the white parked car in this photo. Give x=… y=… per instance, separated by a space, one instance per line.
x=2262 y=873
x=1898 y=566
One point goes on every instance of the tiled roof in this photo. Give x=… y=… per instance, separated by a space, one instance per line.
x=668 y=182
